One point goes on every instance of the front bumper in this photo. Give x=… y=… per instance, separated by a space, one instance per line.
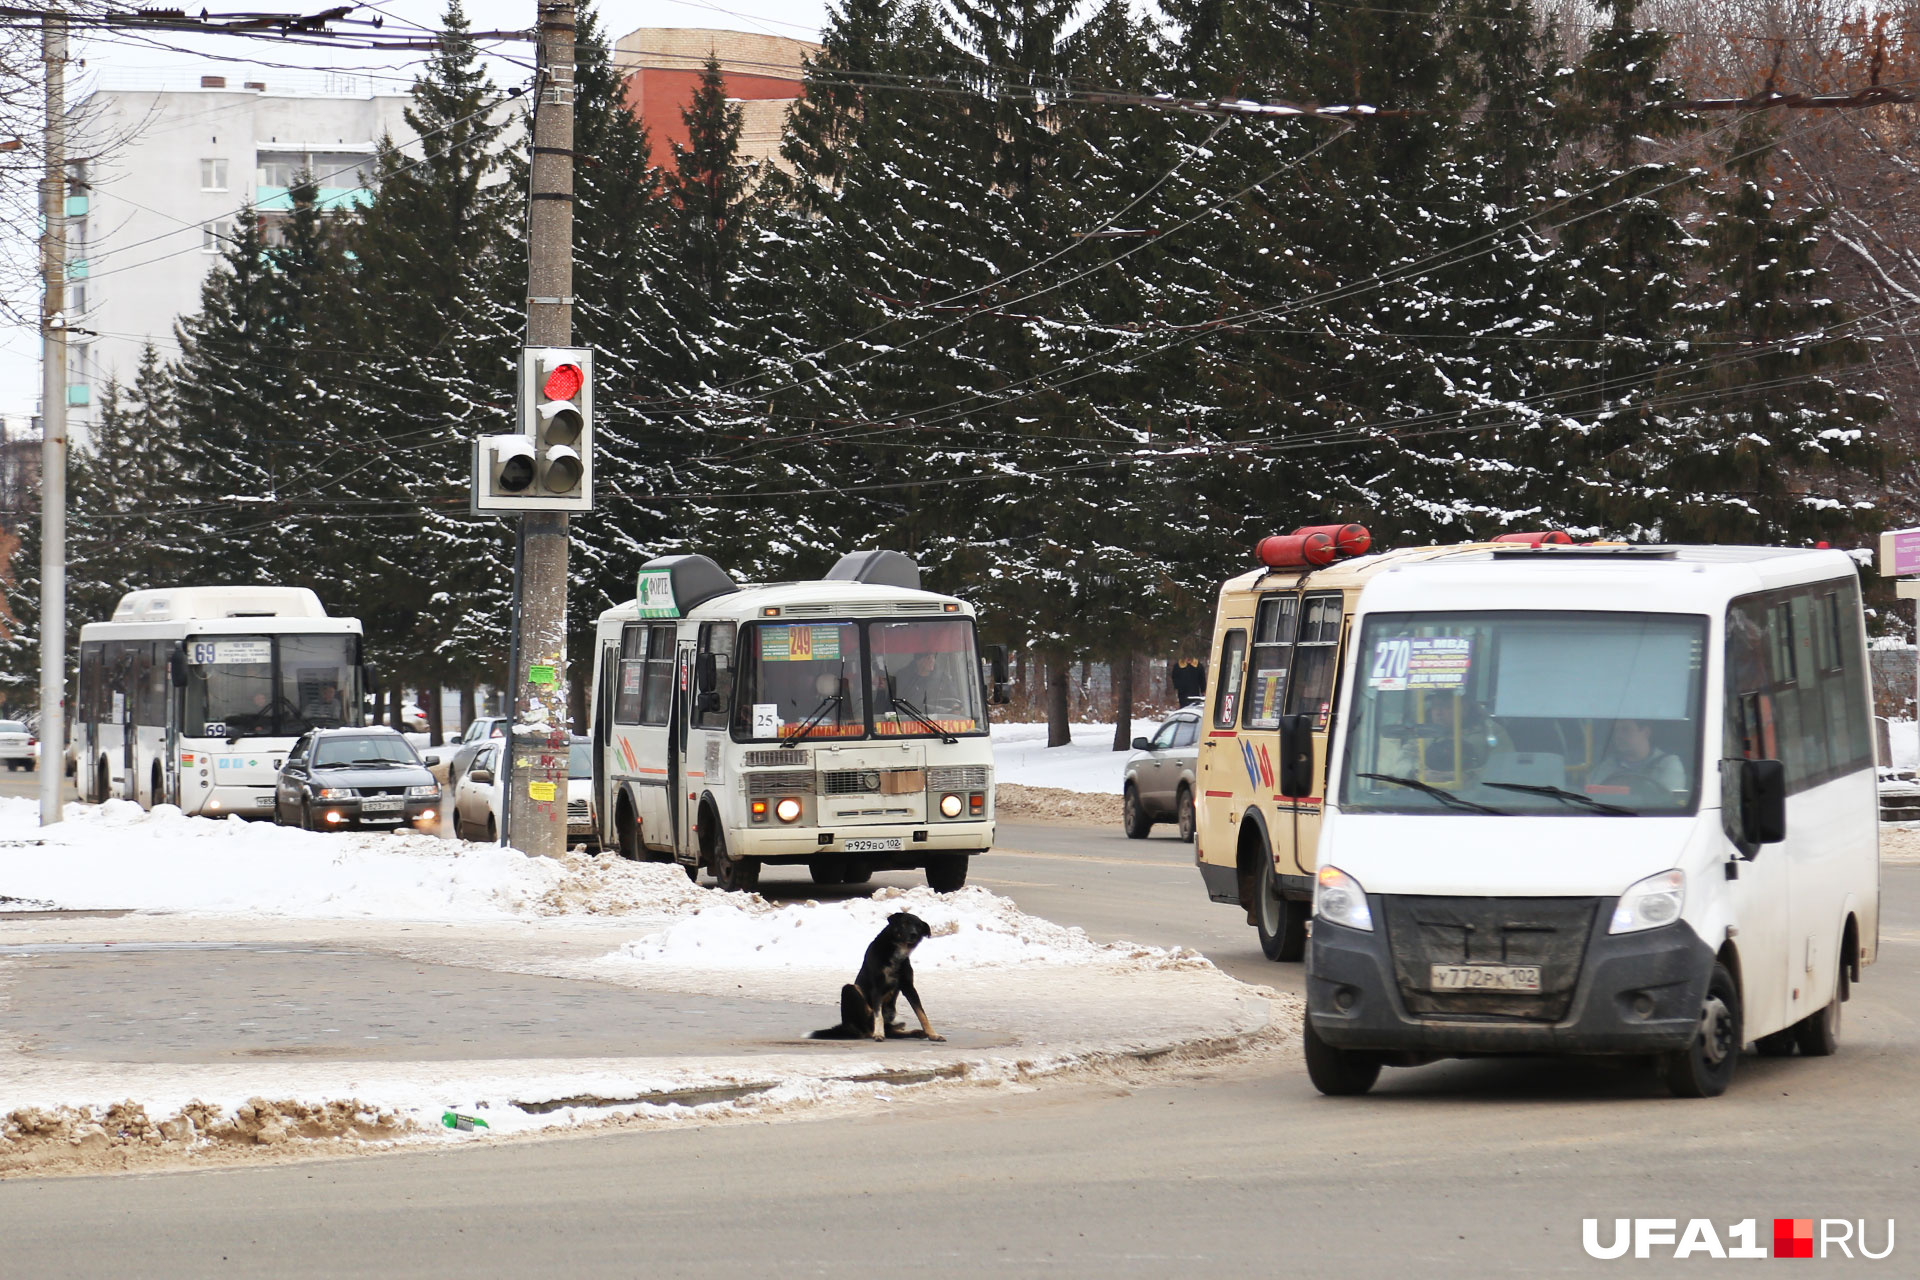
x=1636 y=993
x=421 y=815
x=798 y=844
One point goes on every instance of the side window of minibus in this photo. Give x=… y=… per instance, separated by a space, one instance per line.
x=1313 y=658
x=633 y=675
x=658 y=698
x=1226 y=694
x=716 y=640
x=1273 y=633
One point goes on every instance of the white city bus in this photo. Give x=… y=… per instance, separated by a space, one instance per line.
x=193 y=695
x=838 y=724
x=1594 y=800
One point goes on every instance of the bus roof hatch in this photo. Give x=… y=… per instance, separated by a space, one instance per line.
x=881 y=568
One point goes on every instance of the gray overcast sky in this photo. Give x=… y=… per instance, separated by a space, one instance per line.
x=178 y=57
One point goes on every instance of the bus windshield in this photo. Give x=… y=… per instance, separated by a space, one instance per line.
x=919 y=677
x=926 y=678
x=1534 y=713
x=270 y=686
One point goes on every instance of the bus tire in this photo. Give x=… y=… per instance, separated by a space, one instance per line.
x=628 y=832
x=1338 y=1073
x=734 y=875
x=102 y=782
x=1705 y=1068
x=829 y=870
x=1133 y=815
x=1185 y=816
x=1818 y=1034
x=1282 y=924
x=157 y=795
x=947 y=872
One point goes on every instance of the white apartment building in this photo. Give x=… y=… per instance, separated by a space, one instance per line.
x=173 y=167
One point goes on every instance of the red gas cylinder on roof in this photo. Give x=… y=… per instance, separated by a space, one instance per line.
x=1297 y=551
x=1540 y=538
x=1348 y=539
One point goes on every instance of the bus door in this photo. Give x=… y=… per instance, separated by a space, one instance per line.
x=1310 y=692
x=708 y=719
x=642 y=714
x=1276 y=621
x=678 y=733
x=604 y=689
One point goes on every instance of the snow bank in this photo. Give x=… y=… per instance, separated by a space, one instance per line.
x=971 y=929
x=1903 y=737
x=1089 y=763
x=117 y=855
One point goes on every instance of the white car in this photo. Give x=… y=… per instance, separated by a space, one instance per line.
x=18 y=747
x=476 y=797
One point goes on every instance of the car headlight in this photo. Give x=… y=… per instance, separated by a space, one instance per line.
x=333 y=793
x=950 y=805
x=1339 y=899
x=787 y=810
x=430 y=791
x=1650 y=903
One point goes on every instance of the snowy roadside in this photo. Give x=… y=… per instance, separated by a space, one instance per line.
x=1018 y=996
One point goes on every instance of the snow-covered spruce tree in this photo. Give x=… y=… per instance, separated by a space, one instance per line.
x=1769 y=442
x=435 y=314
x=1623 y=351
x=122 y=524
x=228 y=386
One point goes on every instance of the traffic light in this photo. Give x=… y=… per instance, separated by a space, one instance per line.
x=548 y=464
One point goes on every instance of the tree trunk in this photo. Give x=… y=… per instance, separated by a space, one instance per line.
x=394 y=699
x=1059 y=672
x=435 y=737
x=1123 y=703
x=469 y=705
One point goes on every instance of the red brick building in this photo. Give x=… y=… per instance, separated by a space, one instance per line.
x=662 y=67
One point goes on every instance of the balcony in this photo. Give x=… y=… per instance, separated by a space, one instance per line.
x=331 y=199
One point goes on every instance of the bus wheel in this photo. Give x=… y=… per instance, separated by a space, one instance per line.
x=1338 y=1073
x=1282 y=924
x=947 y=872
x=102 y=783
x=1818 y=1034
x=828 y=870
x=1184 y=807
x=629 y=833
x=734 y=875
x=158 y=795
x=1705 y=1068
x=1133 y=815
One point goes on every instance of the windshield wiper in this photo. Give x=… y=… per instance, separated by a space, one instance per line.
x=819 y=714
x=1441 y=794
x=921 y=716
x=1561 y=793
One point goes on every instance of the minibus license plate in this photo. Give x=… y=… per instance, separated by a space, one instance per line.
x=1486 y=977
x=877 y=844
x=381 y=806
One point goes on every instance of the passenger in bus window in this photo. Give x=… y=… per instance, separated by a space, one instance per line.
x=324 y=707
x=1635 y=758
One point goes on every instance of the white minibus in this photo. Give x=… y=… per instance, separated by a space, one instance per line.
x=1597 y=799
x=194 y=695
x=838 y=724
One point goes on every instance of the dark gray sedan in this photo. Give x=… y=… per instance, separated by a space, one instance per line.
x=1159 y=785
x=339 y=778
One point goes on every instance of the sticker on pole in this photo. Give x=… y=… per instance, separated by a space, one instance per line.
x=1420 y=662
x=541 y=674
x=240 y=653
x=653 y=595
x=542 y=791
x=766 y=719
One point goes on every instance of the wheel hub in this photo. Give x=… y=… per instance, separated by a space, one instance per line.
x=1716 y=1030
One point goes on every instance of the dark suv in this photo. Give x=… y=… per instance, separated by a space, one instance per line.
x=339 y=778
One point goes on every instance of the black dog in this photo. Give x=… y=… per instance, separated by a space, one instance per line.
x=867 y=1003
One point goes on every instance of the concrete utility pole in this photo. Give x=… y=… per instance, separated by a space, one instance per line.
x=536 y=777
x=53 y=425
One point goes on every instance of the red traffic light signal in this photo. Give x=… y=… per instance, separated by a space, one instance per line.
x=563 y=382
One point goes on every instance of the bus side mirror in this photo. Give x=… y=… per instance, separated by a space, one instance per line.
x=1296 y=756
x=369 y=678
x=1002 y=682
x=1754 y=803
x=177 y=668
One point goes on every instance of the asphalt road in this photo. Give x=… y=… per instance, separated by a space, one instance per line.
x=1451 y=1170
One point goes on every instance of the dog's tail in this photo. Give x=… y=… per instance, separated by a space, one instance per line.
x=855 y=1018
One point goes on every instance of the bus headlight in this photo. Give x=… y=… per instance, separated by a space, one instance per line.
x=1339 y=899
x=788 y=810
x=1650 y=903
x=950 y=806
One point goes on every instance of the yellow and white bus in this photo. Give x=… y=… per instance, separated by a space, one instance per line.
x=1279 y=644
x=838 y=724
